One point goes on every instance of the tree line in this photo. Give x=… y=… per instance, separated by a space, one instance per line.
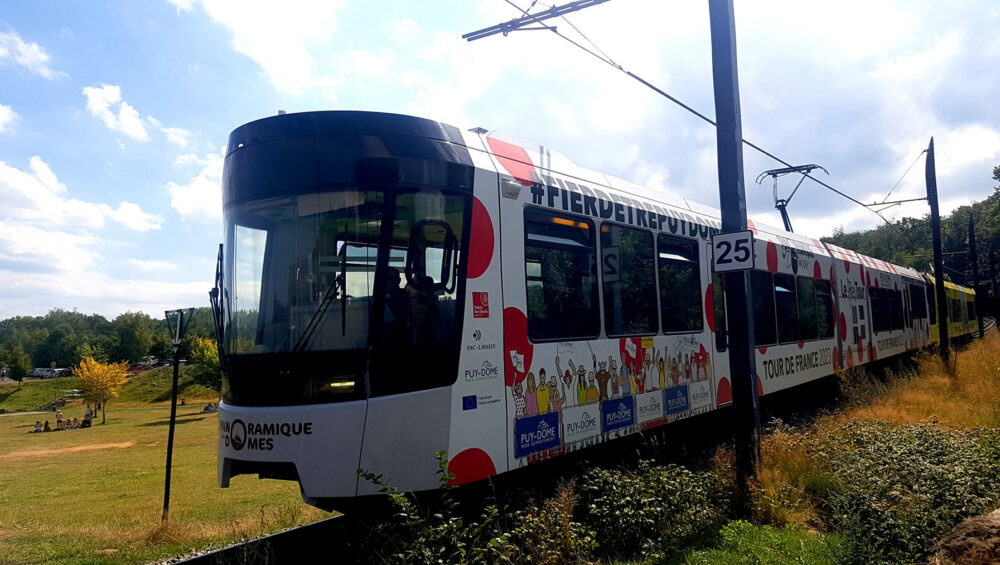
x=65 y=338
x=908 y=242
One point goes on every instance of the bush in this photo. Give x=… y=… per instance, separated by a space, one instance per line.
x=650 y=511
x=898 y=489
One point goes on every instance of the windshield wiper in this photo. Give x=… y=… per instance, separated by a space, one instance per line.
x=339 y=288
x=218 y=310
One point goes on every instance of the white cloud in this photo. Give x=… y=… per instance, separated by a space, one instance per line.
x=28 y=55
x=284 y=39
x=100 y=103
x=183 y=5
x=177 y=136
x=7 y=117
x=152 y=265
x=189 y=158
x=200 y=199
x=37 y=199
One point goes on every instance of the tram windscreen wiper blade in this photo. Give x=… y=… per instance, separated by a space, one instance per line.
x=339 y=285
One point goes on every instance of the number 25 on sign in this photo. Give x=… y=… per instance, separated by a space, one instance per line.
x=732 y=251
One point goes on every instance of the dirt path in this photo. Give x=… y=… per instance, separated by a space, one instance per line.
x=39 y=452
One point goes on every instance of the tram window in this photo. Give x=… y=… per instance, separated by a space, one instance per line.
x=806 y=290
x=932 y=304
x=972 y=310
x=762 y=296
x=906 y=306
x=719 y=303
x=680 y=284
x=560 y=266
x=784 y=300
x=896 y=309
x=918 y=301
x=824 y=309
x=955 y=307
x=629 y=281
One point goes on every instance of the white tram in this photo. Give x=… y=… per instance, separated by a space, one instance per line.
x=394 y=287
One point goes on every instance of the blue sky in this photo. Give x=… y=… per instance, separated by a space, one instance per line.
x=113 y=115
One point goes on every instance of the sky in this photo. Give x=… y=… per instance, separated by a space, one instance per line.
x=114 y=115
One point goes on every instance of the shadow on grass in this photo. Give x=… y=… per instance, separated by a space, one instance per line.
x=167 y=422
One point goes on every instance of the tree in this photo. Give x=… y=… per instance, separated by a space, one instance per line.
x=205 y=369
x=91 y=351
x=100 y=382
x=135 y=336
x=16 y=363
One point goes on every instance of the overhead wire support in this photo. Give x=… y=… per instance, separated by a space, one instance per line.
x=528 y=19
x=560 y=11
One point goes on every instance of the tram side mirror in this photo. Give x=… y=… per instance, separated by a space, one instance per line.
x=432 y=257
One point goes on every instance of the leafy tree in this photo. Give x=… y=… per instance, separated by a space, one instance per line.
x=89 y=351
x=135 y=336
x=17 y=362
x=100 y=382
x=205 y=369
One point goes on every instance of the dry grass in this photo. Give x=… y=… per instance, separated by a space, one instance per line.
x=791 y=481
x=965 y=400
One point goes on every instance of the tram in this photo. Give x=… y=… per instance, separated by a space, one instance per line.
x=392 y=287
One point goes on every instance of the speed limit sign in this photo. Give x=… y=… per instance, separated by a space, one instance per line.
x=732 y=251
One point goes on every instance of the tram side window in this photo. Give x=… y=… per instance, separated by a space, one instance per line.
x=762 y=296
x=560 y=262
x=972 y=310
x=788 y=316
x=955 y=310
x=719 y=305
x=629 y=281
x=918 y=301
x=824 y=309
x=932 y=305
x=896 y=308
x=680 y=284
x=806 y=290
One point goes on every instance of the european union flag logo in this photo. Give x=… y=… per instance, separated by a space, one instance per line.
x=469 y=402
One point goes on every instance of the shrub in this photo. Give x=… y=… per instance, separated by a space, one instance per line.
x=898 y=489
x=650 y=511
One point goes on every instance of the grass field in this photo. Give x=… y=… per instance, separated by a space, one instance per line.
x=95 y=495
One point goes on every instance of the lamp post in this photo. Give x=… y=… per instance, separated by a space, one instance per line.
x=177 y=321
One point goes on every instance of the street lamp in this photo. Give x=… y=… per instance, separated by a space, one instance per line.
x=177 y=321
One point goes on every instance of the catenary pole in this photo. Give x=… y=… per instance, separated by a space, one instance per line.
x=974 y=259
x=930 y=177
x=732 y=197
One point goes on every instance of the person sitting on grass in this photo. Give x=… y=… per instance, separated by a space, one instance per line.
x=46 y=428
x=38 y=426
x=85 y=423
x=76 y=423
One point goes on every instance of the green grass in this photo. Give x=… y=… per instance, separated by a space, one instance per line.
x=59 y=504
x=155 y=386
x=33 y=394
x=741 y=543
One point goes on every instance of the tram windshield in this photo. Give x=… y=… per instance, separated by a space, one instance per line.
x=348 y=270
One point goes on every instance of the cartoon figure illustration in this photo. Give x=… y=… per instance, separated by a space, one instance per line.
x=592 y=394
x=687 y=368
x=675 y=372
x=530 y=396
x=615 y=377
x=647 y=371
x=567 y=390
x=601 y=372
x=626 y=380
x=701 y=366
x=542 y=393
x=519 y=404
x=581 y=384
x=557 y=405
x=661 y=367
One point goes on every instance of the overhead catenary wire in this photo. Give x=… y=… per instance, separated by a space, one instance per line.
x=607 y=60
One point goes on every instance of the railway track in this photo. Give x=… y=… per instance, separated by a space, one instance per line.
x=296 y=545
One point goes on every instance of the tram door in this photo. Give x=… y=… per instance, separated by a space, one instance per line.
x=415 y=355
